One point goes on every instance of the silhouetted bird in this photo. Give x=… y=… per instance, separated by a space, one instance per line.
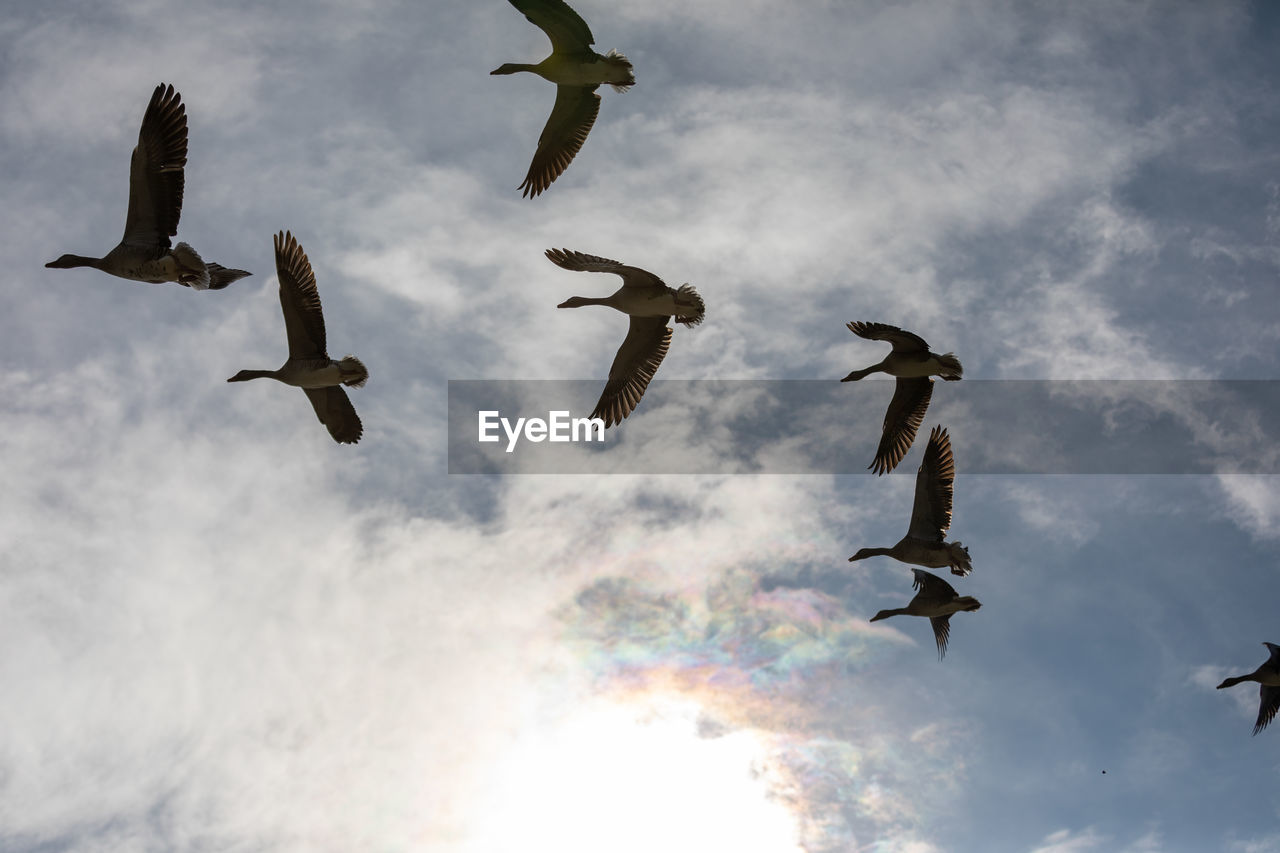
x=937 y=600
x=912 y=364
x=155 y=203
x=577 y=71
x=651 y=303
x=1268 y=678
x=309 y=366
x=930 y=515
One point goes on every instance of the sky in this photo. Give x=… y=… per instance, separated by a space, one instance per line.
x=220 y=630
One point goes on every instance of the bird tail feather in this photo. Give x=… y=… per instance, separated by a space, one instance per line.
x=220 y=276
x=697 y=309
x=354 y=373
x=951 y=369
x=625 y=77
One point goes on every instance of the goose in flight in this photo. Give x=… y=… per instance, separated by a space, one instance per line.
x=912 y=364
x=1268 y=678
x=309 y=366
x=155 y=203
x=651 y=303
x=577 y=71
x=930 y=515
x=937 y=600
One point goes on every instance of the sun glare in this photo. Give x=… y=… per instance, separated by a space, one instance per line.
x=627 y=779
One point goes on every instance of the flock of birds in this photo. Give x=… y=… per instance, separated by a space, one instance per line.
x=145 y=253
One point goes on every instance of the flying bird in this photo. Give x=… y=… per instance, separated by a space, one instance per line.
x=930 y=515
x=309 y=366
x=155 y=202
x=937 y=600
x=912 y=364
x=1268 y=678
x=651 y=303
x=577 y=71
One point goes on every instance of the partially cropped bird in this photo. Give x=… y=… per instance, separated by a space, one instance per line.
x=930 y=515
x=309 y=367
x=156 y=182
x=1268 y=678
x=577 y=71
x=937 y=600
x=912 y=364
x=650 y=303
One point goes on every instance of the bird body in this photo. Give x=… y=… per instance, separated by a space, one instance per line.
x=156 y=186
x=924 y=544
x=577 y=71
x=646 y=302
x=937 y=600
x=912 y=364
x=1268 y=678
x=920 y=552
x=312 y=373
x=135 y=262
x=309 y=366
x=650 y=303
x=910 y=357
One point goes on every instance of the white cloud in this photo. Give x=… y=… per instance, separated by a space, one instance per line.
x=1207 y=677
x=1066 y=841
x=1059 y=518
x=1261 y=844
x=1253 y=502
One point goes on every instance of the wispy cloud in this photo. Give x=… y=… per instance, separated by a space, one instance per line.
x=1253 y=503
x=783 y=662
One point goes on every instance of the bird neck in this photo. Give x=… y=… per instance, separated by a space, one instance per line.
x=579 y=301
x=862 y=374
x=72 y=261
x=885 y=614
x=514 y=68
x=246 y=375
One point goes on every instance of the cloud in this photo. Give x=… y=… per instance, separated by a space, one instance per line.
x=231 y=622
x=1065 y=841
x=1068 y=841
x=1058 y=518
x=1261 y=844
x=1207 y=678
x=1253 y=503
x=784 y=662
